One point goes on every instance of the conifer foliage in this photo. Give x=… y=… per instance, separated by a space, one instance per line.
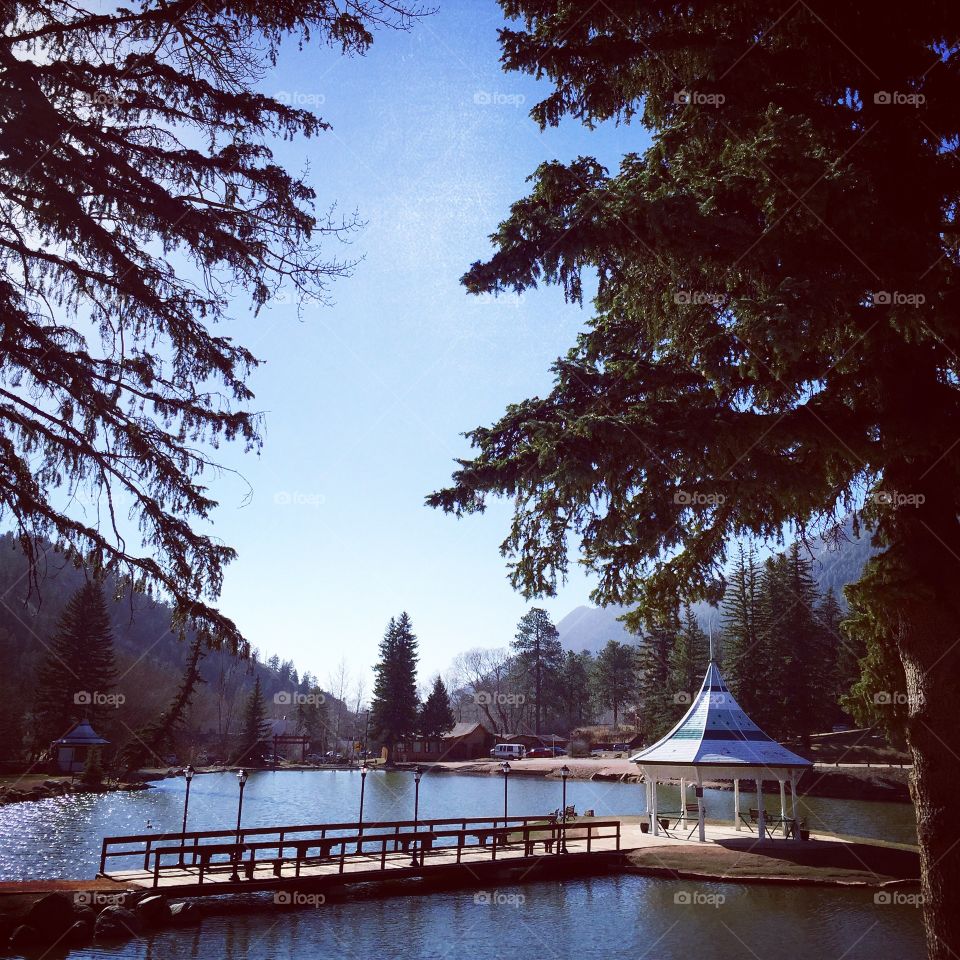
x=394 y=709
x=774 y=333
x=138 y=198
x=78 y=673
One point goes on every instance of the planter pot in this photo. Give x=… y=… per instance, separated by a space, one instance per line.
x=644 y=827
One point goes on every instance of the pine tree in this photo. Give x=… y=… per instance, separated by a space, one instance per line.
x=759 y=348
x=688 y=661
x=394 y=709
x=436 y=715
x=539 y=655
x=573 y=688
x=615 y=676
x=657 y=708
x=79 y=669
x=256 y=728
x=741 y=638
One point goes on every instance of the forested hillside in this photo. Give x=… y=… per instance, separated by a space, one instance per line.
x=150 y=660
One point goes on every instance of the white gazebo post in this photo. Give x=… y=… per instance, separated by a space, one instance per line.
x=736 y=804
x=761 y=813
x=701 y=813
x=647 y=785
x=656 y=820
x=793 y=804
x=683 y=800
x=783 y=807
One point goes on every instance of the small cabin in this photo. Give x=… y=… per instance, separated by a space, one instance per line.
x=466 y=741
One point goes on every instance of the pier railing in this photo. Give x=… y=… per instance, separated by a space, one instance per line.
x=281 y=853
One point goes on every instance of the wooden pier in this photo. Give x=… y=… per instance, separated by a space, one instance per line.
x=280 y=858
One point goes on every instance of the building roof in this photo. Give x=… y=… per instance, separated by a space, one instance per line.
x=82 y=735
x=463 y=729
x=716 y=732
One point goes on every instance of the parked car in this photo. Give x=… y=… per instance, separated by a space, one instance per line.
x=541 y=752
x=622 y=747
x=508 y=751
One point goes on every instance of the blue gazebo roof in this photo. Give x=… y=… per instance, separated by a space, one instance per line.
x=716 y=732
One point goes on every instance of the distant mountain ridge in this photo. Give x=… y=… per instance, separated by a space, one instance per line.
x=834 y=566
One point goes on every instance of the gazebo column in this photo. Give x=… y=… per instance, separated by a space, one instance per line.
x=701 y=812
x=648 y=786
x=683 y=800
x=761 y=813
x=793 y=804
x=736 y=804
x=783 y=807
x=656 y=820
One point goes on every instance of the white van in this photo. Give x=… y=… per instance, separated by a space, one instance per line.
x=508 y=751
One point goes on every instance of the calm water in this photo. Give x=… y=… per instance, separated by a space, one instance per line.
x=614 y=917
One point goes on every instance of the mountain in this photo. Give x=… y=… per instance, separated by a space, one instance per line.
x=836 y=562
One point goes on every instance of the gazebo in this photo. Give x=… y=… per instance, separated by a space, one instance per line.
x=716 y=740
x=70 y=752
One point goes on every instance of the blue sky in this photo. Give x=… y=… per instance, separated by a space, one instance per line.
x=365 y=400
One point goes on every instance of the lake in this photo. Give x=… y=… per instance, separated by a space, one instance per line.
x=622 y=916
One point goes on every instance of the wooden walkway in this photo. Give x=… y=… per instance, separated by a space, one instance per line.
x=216 y=862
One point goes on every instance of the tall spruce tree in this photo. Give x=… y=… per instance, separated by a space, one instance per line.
x=688 y=661
x=657 y=707
x=615 y=676
x=573 y=689
x=743 y=655
x=255 y=731
x=394 y=710
x=540 y=656
x=761 y=352
x=436 y=716
x=78 y=670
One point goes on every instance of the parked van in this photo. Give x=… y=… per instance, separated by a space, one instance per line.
x=508 y=751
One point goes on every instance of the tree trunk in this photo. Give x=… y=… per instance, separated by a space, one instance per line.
x=918 y=589
x=932 y=667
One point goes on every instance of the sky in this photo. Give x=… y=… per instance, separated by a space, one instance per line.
x=365 y=400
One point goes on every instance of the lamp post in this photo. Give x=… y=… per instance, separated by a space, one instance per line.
x=564 y=773
x=363 y=785
x=188 y=773
x=242 y=780
x=417 y=776
x=505 y=767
